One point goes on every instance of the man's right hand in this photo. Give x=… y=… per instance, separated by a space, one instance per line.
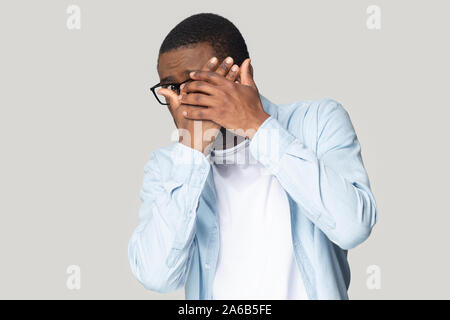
x=205 y=131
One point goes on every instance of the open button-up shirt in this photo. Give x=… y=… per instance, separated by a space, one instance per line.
x=312 y=149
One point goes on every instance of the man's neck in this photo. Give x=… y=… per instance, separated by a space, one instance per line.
x=227 y=139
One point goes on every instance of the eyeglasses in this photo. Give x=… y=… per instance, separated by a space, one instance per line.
x=171 y=86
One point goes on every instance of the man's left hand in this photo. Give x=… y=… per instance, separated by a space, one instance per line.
x=235 y=106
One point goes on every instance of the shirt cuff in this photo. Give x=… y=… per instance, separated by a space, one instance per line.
x=189 y=165
x=269 y=144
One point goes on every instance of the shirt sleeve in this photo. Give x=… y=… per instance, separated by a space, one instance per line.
x=161 y=245
x=330 y=183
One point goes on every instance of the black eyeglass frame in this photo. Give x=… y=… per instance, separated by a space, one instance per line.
x=156 y=86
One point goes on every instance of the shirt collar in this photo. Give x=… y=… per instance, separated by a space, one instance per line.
x=268 y=106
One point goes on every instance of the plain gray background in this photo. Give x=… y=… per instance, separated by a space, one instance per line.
x=78 y=123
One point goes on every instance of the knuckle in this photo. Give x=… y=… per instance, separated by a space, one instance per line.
x=199 y=113
x=229 y=85
x=180 y=111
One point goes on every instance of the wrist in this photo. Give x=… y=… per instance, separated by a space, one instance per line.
x=203 y=147
x=258 y=121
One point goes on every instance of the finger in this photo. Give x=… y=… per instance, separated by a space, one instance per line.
x=233 y=73
x=198 y=113
x=211 y=65
x=199 y=86
x=247 y=74
x=225 y=66
x=197 y=99
x=208 y=76
x=171 y=97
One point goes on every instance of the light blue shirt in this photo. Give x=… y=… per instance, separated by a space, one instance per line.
x=312 y=149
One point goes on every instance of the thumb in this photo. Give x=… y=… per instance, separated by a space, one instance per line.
x=171 y=97
x=247 y=74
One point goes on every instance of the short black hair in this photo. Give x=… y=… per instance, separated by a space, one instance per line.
x=219 y=32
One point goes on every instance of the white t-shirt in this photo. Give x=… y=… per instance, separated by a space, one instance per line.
x=256 y=256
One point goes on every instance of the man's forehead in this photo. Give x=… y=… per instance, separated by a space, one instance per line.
x=179 y=62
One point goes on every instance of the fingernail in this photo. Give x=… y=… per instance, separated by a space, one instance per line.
x=180 y=97
x=228 y=60
x=234 y=68
x=192 y=74
x=184 y=113
x=182 y=86
x=213 y=60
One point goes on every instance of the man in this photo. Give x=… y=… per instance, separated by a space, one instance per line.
x=267 y=202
